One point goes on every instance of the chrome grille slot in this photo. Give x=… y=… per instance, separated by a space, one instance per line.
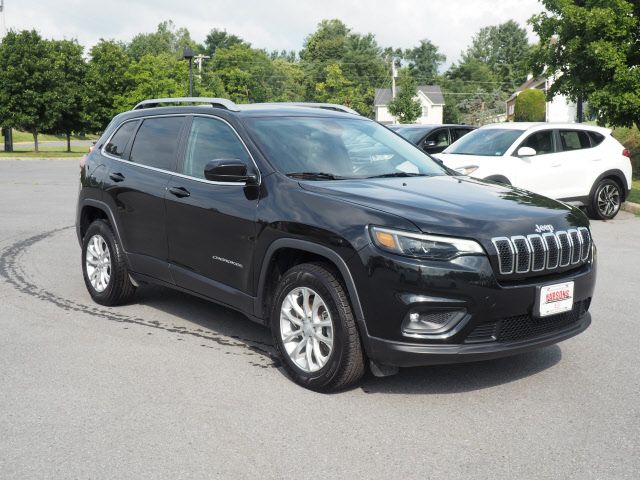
x=565 y=248
x=586 y=242
x=576 y=245
x=537 y=253
x=523 y=254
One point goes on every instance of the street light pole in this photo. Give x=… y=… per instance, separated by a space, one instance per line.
x=187 y=54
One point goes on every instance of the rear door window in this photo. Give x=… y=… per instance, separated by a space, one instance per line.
x=541 y=142
x=438 y=139
x=457 y=133
x=156 y=143
x=574 y=140
x=119 y=141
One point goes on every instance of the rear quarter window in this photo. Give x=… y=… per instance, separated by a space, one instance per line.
x=596 y=138
x=574 y=140
x=119 y=141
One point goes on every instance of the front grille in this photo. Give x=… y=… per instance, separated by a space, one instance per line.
x=536 y=253
x=524 y=327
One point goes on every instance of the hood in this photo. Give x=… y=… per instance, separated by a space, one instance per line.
x=455 y=205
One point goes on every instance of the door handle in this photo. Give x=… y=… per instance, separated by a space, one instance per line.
x=116 y=177
x=179 y=192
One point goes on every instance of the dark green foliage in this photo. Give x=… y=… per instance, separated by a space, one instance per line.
x=218 y=39
x=594 y=45
x=424 y=62
x=530 y=106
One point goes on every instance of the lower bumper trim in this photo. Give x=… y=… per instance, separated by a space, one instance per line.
x=415 y=355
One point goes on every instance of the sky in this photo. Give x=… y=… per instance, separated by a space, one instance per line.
x=271 y=24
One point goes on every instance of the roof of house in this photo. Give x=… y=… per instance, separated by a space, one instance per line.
x=433 y=93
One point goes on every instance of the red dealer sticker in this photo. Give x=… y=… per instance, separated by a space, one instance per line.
x=555 y=299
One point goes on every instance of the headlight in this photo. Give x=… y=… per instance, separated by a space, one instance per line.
x=429 y=247
x=468 y=170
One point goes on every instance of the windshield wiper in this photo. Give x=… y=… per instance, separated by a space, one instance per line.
x=399 y=174
x=314 y=176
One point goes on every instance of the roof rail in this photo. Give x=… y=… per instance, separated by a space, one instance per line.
x=214 y=102
x=325 y=106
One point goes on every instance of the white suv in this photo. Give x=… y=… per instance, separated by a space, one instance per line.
x=578 y=164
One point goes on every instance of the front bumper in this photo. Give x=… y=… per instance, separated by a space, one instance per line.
x=500 y=315
x=400 y=354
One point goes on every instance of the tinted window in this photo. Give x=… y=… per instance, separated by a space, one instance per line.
x=119 y=141
x=541 y=142
x=209 y=140
x=439 y=139
x=344 y=147
x=574 y=139
x=457 y=133
x=411 y=133
x=596 y=138
x=156 y=143
x=485 y=141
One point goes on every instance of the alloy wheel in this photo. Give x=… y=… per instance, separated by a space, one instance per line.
x=608 y=200
x=98 y=263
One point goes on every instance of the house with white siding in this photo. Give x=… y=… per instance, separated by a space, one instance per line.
x=429 y=96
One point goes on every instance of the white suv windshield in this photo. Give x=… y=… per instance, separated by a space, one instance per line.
x=491 y=142
x=338 y=147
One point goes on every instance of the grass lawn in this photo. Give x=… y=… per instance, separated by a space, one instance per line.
x=22 y=137
x=47 y=152
x=634 y=195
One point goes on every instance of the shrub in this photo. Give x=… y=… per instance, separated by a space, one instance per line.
x=530 y=106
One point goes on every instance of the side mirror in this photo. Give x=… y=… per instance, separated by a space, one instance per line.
x=526 y=152
x=229 y=171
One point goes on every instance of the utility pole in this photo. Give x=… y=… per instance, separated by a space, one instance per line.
x=199 y=59
x=394 y=73
x=188 y=55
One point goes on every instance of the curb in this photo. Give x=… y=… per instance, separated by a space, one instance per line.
x=631 y=207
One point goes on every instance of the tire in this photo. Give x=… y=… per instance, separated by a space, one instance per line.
x=605 y=200
x=330 y=368
x=105 y=256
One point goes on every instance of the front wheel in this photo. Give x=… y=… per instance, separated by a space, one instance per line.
x=314 y=329
x=605 y=201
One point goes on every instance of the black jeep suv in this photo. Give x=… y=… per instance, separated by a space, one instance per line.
x=347 y=240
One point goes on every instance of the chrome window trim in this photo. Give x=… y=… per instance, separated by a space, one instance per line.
x=544 y=252
x=545 y=236
x=495 y=244
x=202 y=180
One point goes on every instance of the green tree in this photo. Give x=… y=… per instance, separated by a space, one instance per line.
x=287 y=81
x=154 y=76
x=69 y=69
x=337 y=88
x=424 y=61
x=26 y=83
x=593 y=49
x=505 y=50
x=166 y=39
x=530 y=106
x=218 y=39
x=246 y=73
x=105 y=81
x=405 y=107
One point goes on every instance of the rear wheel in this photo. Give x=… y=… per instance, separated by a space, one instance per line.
x=314 y=329
x=104 y=267
x=605 y=200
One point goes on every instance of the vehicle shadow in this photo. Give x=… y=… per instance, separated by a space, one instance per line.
x=221 y=322
x=464 y=377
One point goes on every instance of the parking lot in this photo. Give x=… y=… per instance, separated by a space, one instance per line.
x=176 y=387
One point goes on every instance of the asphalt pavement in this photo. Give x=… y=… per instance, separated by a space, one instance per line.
x=176 y=387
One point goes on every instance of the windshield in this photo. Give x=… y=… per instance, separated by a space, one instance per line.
x=491 y=142
x=331 y=147
x=411 y=134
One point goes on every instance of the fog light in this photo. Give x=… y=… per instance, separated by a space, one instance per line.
x=431 y=322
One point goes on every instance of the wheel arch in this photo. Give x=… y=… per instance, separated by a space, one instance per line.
x=614 y=174
x=91 y=210
x=302 y=251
